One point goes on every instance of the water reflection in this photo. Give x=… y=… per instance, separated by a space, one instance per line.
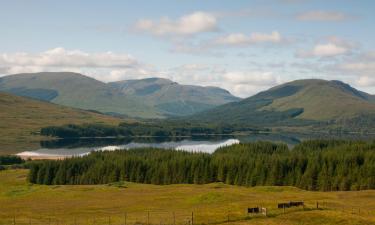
x=76 y=147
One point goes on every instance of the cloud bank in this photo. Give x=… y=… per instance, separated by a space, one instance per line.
x=109 y=66
x=197 y=22
x=321 y=15
x=253 y=38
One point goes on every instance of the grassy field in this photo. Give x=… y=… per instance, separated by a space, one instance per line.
x=24 y=203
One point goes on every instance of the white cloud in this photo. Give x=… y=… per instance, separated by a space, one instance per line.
x=323 y=16
x=240 y=83
x=362 y=64
x=366 y=81
x=253 y=38
x=104 y=66
x=325 y=50
x=329 y=49
x=190 y=24
x=359 y=66
x=59 y=57
x=114 y=67
x=358 y=69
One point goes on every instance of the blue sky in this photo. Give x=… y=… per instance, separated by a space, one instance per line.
x=243 y=46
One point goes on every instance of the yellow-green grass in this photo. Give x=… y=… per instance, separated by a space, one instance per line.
x=211 y=203
x=21 y=120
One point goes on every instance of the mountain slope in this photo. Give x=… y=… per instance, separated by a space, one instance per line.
x=323 y=100
x=175 y=99
x=299 y=102
x=75 y=90
x=148 y=98
x=20 y=117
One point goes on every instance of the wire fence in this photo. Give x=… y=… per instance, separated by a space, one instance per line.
x=182 y=217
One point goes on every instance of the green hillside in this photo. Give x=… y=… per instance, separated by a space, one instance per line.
x=323 y=100
x=22 y=117
x=148 y=98
x=75 y=90
x=301 y=102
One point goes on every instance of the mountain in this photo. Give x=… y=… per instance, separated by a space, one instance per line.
x=22 y=116
x=75 y=90
x=147 y=98
x=172 y=98
x=300 y=102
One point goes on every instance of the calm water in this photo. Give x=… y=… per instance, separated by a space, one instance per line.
x=78 y=147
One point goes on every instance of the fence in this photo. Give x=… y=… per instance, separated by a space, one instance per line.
x=178 y=217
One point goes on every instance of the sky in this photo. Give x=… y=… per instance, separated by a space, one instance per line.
x=242 y=46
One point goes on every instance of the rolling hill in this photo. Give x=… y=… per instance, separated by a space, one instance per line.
x=75 y=90
x=148 y=98
x=21 y=117
x=301 y=102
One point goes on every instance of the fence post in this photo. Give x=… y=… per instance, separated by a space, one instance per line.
x=14 y=219
x=148 y=218
x=125 y=217
x=109 y=220
x=317 y=205
x=228 y=216
x=174 y=218
x=192 y=218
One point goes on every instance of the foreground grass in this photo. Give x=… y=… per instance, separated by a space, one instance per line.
x=212 y=203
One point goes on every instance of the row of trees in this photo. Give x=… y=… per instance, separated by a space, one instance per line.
x=10 y=160
x=156 y=128
x=311 y=165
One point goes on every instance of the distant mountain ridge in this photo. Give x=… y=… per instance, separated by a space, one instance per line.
x=172 y=98
x=297 y=103
x=146 y=98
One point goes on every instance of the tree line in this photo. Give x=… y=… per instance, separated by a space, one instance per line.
x=311 y=165
x=156 y=128
x=10 y=159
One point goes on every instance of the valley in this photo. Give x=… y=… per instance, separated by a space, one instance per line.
x=187 y=113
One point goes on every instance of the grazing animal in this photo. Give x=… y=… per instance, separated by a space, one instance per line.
x=289 y=204
x=296 y=204
x=253 y=210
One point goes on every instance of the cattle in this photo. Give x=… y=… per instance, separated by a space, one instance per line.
x=296 y=204
x=289 y=204
x=283 y=205
x=253 y=210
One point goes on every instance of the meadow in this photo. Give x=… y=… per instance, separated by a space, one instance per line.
x=215 y=203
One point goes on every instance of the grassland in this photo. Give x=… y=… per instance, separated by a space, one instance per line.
x=21 y=120
x=211 y=203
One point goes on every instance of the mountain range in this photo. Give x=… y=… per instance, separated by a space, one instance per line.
x=298 y=103
x=145 y=98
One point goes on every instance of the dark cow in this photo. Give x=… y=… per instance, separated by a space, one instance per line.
x=289 y=204
x=296 y=204
x=253 y=210
x=283 y=205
